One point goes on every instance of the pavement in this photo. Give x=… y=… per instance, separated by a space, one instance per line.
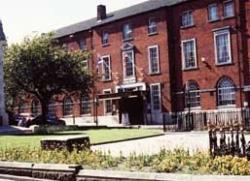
x=191 y=141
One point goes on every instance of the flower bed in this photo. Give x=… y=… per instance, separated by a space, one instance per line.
x=166 y=161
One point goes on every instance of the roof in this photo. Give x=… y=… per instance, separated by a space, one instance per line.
x=116 y=15
x=2 y=35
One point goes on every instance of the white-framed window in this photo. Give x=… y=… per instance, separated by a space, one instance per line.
x=82 y=44
x=155 y=95
x=228 y=9
x=222 y=47
x=107 y=103
x=189 y=56
x=52 y=107
x=153 y=57
x=106 y=68
x=105 y=38
x=213 y=12
x=152 y=26
x=67 y=106
x=127 y=32
x=192 y=95
x=35 y=107
x=187 y=19
x=85 y=105
x=128 y=64
x=226 y=92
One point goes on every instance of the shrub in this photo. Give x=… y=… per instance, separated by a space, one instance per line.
x=177 y=160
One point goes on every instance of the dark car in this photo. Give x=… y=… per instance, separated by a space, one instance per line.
x=50 y=120
x=23 y=119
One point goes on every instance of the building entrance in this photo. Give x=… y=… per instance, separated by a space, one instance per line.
x=132 y=109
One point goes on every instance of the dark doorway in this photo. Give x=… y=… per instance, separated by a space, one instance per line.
x=134 y=108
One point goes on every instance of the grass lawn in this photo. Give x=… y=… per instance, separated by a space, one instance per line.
x=96 y=136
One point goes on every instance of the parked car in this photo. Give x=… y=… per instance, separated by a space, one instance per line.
x=23 y=119
x=50 y=120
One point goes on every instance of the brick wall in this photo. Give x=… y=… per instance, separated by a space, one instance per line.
x=169 y=37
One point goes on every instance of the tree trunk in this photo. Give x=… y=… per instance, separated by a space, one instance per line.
x=45 y=109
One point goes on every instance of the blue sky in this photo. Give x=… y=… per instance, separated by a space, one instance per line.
x=26 y=17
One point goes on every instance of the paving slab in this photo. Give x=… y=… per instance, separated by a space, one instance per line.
x=191 y=141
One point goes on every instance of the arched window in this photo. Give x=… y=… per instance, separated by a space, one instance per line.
x=52 y=107
x=85 y=105
x=192 y=96
x=225 y=92
x=35 y=107
x=67 y=106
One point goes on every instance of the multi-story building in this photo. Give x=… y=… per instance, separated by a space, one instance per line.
x=161 y=57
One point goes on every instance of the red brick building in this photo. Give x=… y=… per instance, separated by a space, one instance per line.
x=162 y=57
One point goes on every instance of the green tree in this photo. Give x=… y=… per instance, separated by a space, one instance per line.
x=41 y=67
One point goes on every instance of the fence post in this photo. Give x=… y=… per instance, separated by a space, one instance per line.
x=164 y=124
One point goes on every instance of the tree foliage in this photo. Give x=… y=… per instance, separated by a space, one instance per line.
x=41 y=67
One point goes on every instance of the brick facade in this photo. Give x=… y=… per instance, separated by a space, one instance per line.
x=169 y=39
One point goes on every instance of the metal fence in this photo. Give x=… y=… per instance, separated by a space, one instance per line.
x=187 y=121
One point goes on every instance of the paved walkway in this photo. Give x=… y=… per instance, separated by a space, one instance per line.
x=188 y=140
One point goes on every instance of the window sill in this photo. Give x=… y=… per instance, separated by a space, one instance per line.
x=213 y=21
x=190 y=69
x=231 y=106
x=154 y=74
x=228 y=17
x=152 y=34
x=193 y=108
x=188 y=26
x=224 y=64
x=105 y=45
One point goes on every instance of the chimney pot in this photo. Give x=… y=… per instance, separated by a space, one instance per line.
x=101 y=12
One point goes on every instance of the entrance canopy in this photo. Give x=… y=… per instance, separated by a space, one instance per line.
x=120 y=95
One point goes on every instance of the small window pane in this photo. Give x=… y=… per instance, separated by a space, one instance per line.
x=105 y=38
x=106 y=68
x=192 y=95
x=155 y=97
x=223 y=48
x=127 y=32
x=67 y=106
x=154 y=59
x=226 y=92
x=129 y=63
x=213 y=12
x=152 y=26
x=189 y=55
x=85 y=105
x=108 y=103
x=187 y=19
x=228 y=9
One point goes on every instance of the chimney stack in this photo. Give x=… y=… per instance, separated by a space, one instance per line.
x=101 y=12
